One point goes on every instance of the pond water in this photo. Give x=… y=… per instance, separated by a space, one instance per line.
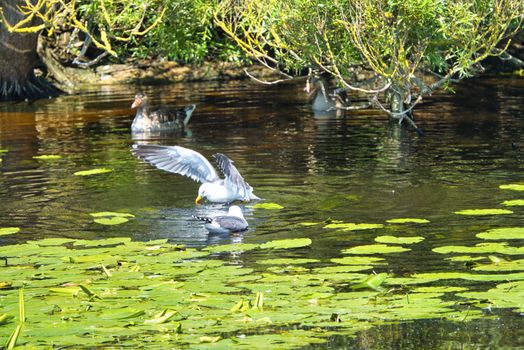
x=359 y=169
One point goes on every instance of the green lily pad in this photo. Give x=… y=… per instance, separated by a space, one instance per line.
x=115 y=220
x=287 y=243
x=111 y=214
x=484 y=212
x=399 y=240
x=307 y=223
x=47 y=157
x=353 y=226
x=93 y=172
x=8 y=230
x=236 y=247
x=358 y=260
x=513 y=187
x=481 y=248
x=407 y=220
x=269 y=206
x=514 y=202
x=286 y=261
x=4 y=151
x=503 y=233
x=375 y=249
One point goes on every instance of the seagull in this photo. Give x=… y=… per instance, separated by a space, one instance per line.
x=184 y=161
x=233 y=221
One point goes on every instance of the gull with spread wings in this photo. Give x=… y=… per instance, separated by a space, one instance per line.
x=184 y=161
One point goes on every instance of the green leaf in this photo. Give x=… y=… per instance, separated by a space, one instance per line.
x=407 y=220
x=513 y=187
x=47 y=157
x=93 y=172
x=358 y=260
x=287 y=261
x=375 y=249
x=514 y=203
x=353 y=227
x=503 y=233
x=111 y=213
x=8 y=230
x=399 y=240
x=373 y=281
x=269 y=206
x=483 y=212
x=286 y=243
x=116 y=220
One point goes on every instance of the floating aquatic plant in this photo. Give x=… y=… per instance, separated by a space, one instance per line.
x=286 y=243
x=353 y=226
x=514 y=202
x=399 y=240
x=503 y=233
x=375 y=249
x=268 y=206
x=111 y=218
x=47 y=157
x=8 y=230
x=484 y=212
x=513 y=187
x=93 y=172
x=407 y=220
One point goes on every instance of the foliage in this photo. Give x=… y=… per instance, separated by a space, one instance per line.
x=396 y=40
x=177 y=30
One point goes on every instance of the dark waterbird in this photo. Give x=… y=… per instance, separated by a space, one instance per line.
x=184 y=161
x=148 y=119
x=233 y=221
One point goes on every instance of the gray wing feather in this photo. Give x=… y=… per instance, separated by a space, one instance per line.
x=234 y=180
x=178 y=160
x=232 y=223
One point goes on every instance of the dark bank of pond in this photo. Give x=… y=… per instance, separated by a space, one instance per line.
x=438 y=218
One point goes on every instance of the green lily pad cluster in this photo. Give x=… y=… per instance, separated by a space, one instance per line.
x=119 y=292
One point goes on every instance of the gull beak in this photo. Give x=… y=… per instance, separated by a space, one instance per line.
x=198 y=200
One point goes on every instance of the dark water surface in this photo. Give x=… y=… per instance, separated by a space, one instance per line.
x=359 y=168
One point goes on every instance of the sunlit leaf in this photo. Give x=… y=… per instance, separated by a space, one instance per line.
x=358 y=260
x=514 y=187
x=503 y=233
x=372 y=281
x=481 y=248
x=484 y=212
x=514 y=202
x=375 y=249
x=399 y=240
x=353 y=227
x=47 y=157
x=93 y=172
x=284 y=261
x=407 y=220
x=286 y=243
x=269 y=206
x=111 y=213
x=8 y=230
x=115 y=220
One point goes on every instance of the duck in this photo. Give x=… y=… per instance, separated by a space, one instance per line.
x=322 y=101
x=233 y=221
x=161 y=119
x=186 y=162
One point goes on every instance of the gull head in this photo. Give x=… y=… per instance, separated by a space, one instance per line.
x=203 y=192
x=235 y=210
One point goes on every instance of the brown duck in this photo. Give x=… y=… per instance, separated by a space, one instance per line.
x=148 y=119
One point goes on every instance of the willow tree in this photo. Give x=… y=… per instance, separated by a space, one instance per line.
x=102 y=22
x=398 y=41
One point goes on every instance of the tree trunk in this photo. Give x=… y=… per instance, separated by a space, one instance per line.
x=18 y=59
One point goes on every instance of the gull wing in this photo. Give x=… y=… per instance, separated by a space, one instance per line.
x=178 y=160
x=231 y=223
x=234 y=181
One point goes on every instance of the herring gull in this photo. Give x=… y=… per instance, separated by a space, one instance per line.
x=184 y=161
x=233 y=221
